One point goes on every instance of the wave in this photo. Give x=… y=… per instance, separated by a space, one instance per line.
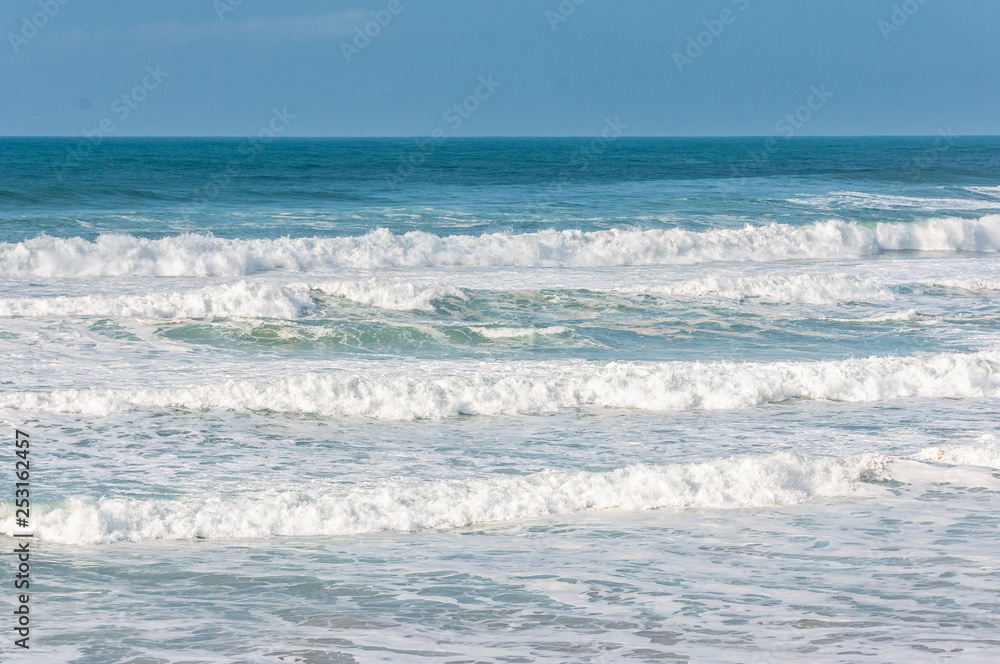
x=206 y=255
x=801 y=288
x=892 y=316
x=860 y=199
x=396 y=296
x=442 y=390
x=966 y=284
x=963 y=455
x=518 y=332
x=240 y=300
x=988 y=191
x=736 y=482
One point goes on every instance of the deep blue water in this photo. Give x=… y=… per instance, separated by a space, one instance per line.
x=324 y=187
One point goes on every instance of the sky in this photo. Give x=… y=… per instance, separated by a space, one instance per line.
x=499 y=67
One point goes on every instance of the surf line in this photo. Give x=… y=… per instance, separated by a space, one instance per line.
x=22 y=514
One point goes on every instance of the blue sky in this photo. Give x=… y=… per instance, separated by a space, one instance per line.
x=500 y=67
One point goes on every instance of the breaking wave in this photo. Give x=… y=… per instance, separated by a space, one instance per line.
x=442 y=389
x=967 y=284
x=205 y=255
x=736 y=482
x=518 y=332
x=860 y=199
x=800 y=288
x=396 y=296
x=242 y=299
x=986 y=454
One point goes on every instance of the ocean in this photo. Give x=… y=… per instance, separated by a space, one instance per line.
x=503 y=400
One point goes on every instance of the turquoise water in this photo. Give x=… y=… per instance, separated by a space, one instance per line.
x=527 y=400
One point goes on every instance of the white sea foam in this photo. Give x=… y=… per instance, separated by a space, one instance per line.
x=966 y=284
x=440 y=390
x=517 y=332
x=240 y=299
x=802 y=288
x=988 y=191
x=860 y=199
x=951 y=234
x=736 y=482
x=984 y=454
x=198 y=255
x=398 y=296
x=892 y=316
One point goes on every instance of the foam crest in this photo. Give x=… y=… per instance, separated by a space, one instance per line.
x=396 y=296
x=736 y=482
x=984 y=454
x=859 y=199
x=951 y=234
x=801 y=288
x=988 y=191
x=518 y=332
x=205 y=255
x=891 y=316
x=242 y=299
x=967 y=284
x=441 y=390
